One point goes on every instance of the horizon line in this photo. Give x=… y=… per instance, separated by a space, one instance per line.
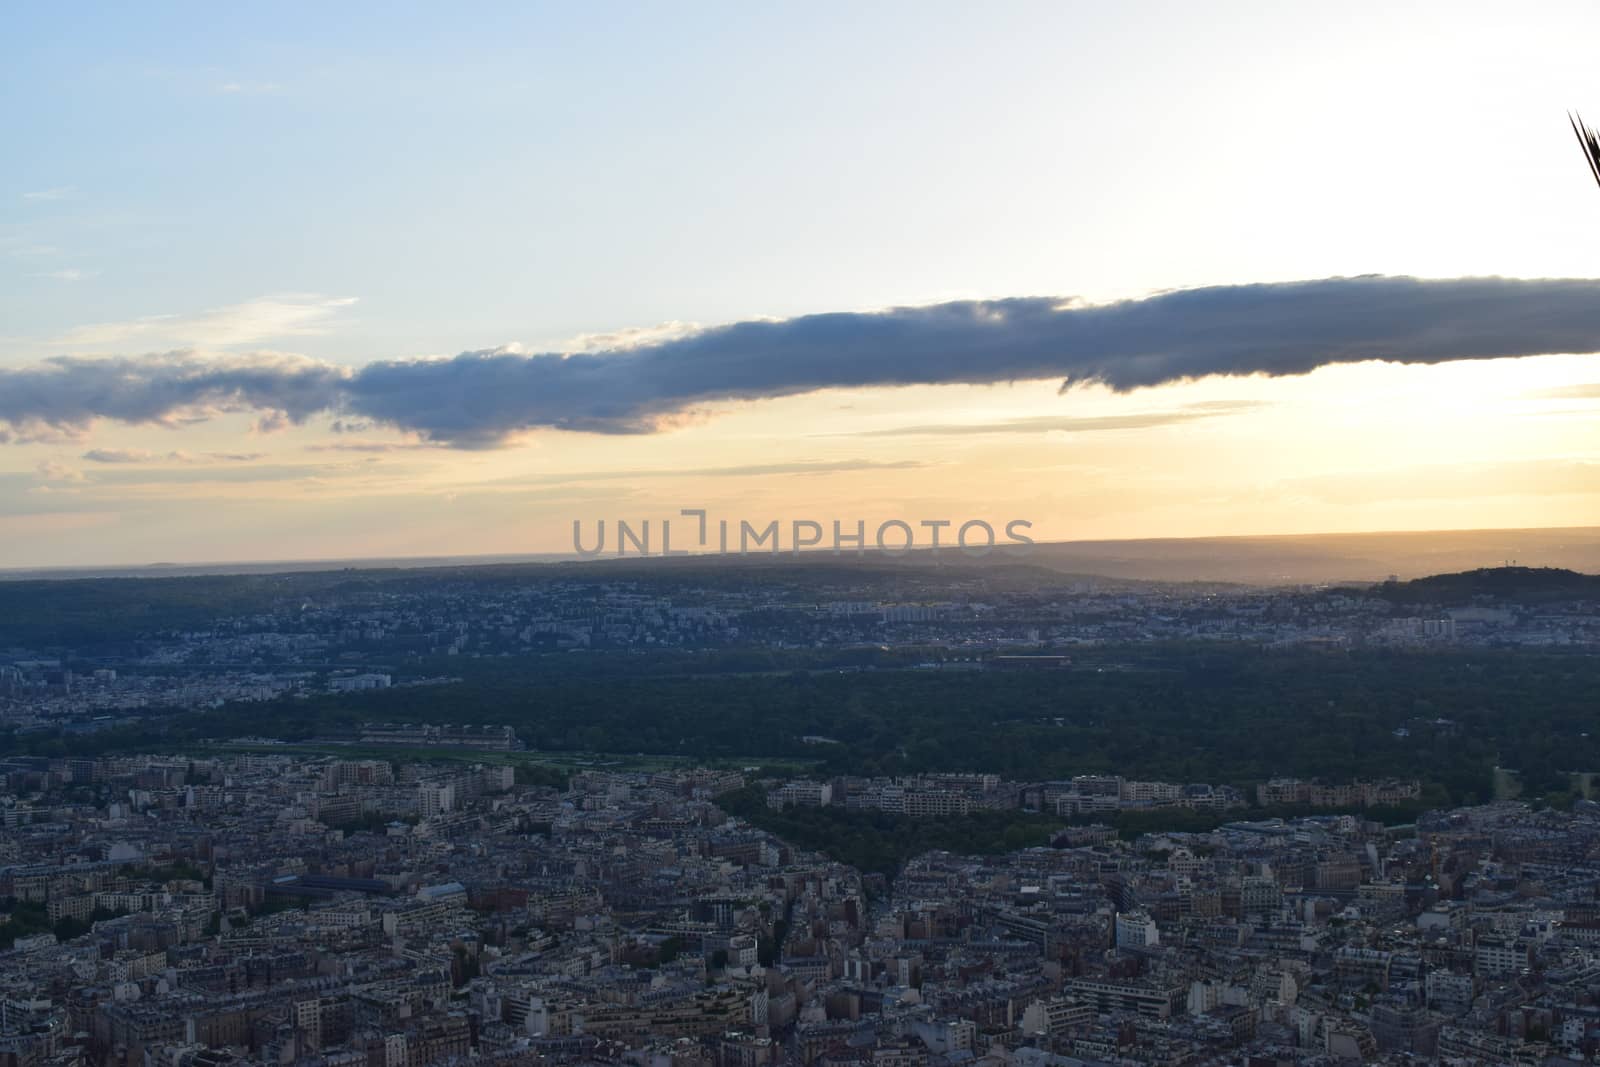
x=214 y=568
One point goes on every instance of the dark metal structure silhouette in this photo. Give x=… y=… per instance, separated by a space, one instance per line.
x=1589 y=140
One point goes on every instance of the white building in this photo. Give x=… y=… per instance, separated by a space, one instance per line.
x=803 y=792
x=1136 y=929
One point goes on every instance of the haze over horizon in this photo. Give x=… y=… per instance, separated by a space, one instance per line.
x=429 y=287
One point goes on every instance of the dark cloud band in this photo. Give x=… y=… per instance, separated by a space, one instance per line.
x=68 y=392
x=480 y=399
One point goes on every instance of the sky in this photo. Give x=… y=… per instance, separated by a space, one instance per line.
x=301 y=281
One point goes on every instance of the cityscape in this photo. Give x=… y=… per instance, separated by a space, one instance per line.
x=1026 y=534
x=167 y=910
x=398 y=886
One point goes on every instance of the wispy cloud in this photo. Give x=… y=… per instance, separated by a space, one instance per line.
x=751 y=470
x=1588 y=391
x=239 y=88
x=67 y=274
x=60 y=192
x=370 y=446
x=485 y=399
x=634 y=475
x=25 y=249
x=1071 y=423
x=267 y=317
x=119 y=455
x=225 y=474
x=139 y=455
x=55 y=471
x=1472 y=481
x=818 y=467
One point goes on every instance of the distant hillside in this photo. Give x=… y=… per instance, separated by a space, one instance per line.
x=1523 y=585
x=1313 y=559
x=1294 y=559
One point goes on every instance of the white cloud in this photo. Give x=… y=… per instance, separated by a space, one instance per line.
x=68 y=274
x=60 y=192
x=285 y=315
x=622 y=340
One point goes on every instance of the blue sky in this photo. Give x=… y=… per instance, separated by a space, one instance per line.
x=351 y=183
x=529 y=173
